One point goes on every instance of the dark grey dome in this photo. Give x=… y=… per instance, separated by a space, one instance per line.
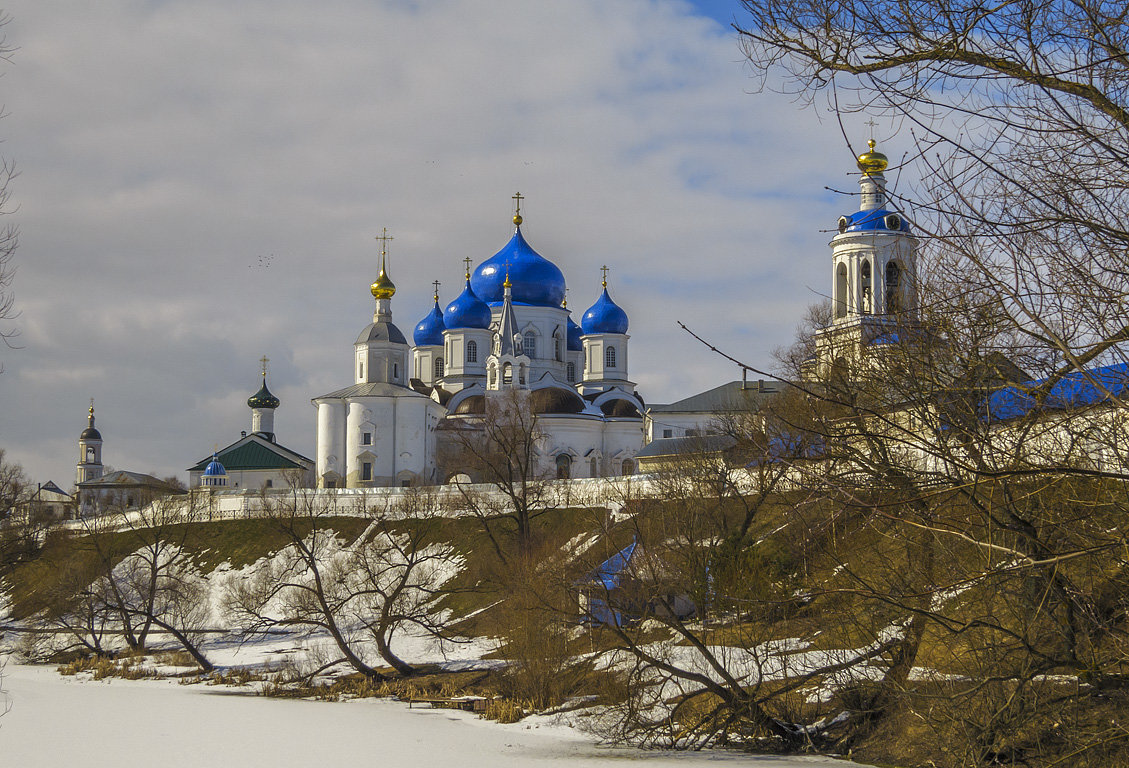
x=621 y=409
x=554 y=400
x=472 y=405
x=90 y=433
x=382 y=331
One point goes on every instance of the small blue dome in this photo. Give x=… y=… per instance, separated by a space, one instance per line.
x=429 y=332
x=467 y=311
x=573 y=339
x=214 y=468
x=605 y=316
x=534 y=279
x=880 y=220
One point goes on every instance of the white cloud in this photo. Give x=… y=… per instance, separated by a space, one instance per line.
x=201 y=183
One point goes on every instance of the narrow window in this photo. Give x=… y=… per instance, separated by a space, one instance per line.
x=609 y=357
x=841 y=291
x=493 y=376
x=570 y=371
x=866 y=287
x=593 y=468
x=269 y=484
x=893 y=278
x=366 y=471
x=557 y=347
x=395 y=370
x=507 y=374
x=529 y=347
x=564 y=466
x=628 y=467
x=438 y=367
x=366 y=438
x=471 y=352
x=360 y=370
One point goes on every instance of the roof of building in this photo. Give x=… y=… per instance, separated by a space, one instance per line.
x=609 y=573
x=734 y=396
x=371 y=389
x=381 y=330
x=429 y=332
x=1073 y=390
x=263 y=398
x=254 y=452
x=467 y=311
x=536 y=280
x=125 y=479
x=605 y=316
x=685 y=446
x=876 y=220
x=574 y=343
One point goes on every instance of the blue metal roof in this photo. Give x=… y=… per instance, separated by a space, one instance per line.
x=608 y=573
x=574 y=343
x=605 y=316
x=1073 y=390
x=429 y=332
x=467 y=311
x=534 y=279
x=872 y=221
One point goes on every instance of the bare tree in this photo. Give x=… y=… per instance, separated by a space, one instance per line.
x=133 y=574
x=386 y=582
x=501 y=449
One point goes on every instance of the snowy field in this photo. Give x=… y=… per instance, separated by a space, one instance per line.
x=71 y=721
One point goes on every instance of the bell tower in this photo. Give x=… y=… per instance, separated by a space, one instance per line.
x=89 y=451
x=874 y=271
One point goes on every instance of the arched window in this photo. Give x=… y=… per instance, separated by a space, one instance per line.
x=628 y=467
x=558 y=346
x=609 y=357
x=594 y=467
x=893 y=278
x=360 y=370
x=438 y=367
x=866 y=287
x=493 y=376
x=395 y=370
x=841 y=291
x=570 y=371
x=529 y=345
x=564 y=467
x=471 y=352
x=507 y=374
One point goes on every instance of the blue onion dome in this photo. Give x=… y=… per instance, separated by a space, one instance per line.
x=214 y=468
x=573 y=337
x=263 y=398
x=534 y=279
x=605 y=316
x=429 y=332
x=467 y=310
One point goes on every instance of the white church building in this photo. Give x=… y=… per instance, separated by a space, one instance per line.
x=509 y=328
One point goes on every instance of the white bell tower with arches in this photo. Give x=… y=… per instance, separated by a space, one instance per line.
x=874 y=271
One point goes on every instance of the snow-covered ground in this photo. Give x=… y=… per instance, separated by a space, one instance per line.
x=60 y=721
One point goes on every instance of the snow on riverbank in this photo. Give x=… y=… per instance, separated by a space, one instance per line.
x=56 y=721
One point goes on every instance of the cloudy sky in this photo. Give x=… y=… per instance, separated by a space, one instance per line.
x=201 y=183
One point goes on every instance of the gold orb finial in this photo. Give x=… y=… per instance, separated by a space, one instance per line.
x=872 y=161
x=517 y=198
x=383 y=288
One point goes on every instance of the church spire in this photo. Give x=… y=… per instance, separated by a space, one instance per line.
x=508 y=341
x=383 y=289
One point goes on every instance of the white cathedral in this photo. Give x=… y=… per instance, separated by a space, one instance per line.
x=510 y=328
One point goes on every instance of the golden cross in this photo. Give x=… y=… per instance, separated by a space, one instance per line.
x=565 y=302
x=263 y=362
x=871 y=123
x=436 y=283
x=92 y=406
x=517 y=198
x=384 y=237
x=467 y=262
x=604 y=269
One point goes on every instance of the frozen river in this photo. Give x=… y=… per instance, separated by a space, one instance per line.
x=64 y=721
